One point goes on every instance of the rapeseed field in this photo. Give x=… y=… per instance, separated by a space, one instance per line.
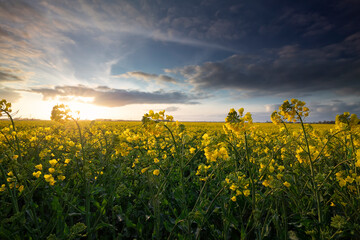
x=162 y=179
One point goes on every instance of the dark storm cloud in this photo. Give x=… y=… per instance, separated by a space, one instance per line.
x=253 y=25
x=117 y=97
x=110 y=97
x=148 y=77
x=241 y=25
x=283 y=71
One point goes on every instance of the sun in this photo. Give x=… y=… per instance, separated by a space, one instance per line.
x=87 y=111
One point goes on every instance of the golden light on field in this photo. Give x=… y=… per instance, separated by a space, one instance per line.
x=34 y=106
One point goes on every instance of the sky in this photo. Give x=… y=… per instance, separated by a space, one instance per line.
x=195 y=59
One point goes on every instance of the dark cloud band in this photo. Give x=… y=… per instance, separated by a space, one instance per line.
x=109 y=97
x=283 y=71
x=148 y=77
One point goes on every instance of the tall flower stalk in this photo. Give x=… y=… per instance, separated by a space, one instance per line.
x=294 y=111
x=61 y=113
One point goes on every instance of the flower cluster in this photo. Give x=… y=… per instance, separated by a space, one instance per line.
x=202 y=172
x=160 y=116
x=346 y=121
x=12 y=182
x=5 y=107
x=154 y=122
x=237 y=122
x=55 y=168
x=290 y=111
x=238 y=184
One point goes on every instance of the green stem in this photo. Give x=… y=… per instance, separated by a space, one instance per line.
x=87 y=210
x=87 y=186
x=315 y=189
x=13 y=196
x=16 y=138
x=7 y=141
x=201 y=191
x=207 y=210
x=182 y=184
x=251 y=171
x=354 y=151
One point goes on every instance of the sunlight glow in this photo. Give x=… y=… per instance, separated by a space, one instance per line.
x=83 y=105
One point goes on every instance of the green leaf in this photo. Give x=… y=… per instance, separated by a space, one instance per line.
x=76 y=230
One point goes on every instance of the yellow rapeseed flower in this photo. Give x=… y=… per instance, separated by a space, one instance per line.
x=51 y=170
x=342 y=182
x=233 y=199
x=349 y=179
x=50 y=179
x=36 y=174
x=357 y=163
x=266 y=183
x=233 y=187
x=61 y=177
x=156 y=172
x=246 y=192
x=144 y=170
x=281 y=168
x=39 y=167
x=47 y=177
x=287 y=184
x=53 y=162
